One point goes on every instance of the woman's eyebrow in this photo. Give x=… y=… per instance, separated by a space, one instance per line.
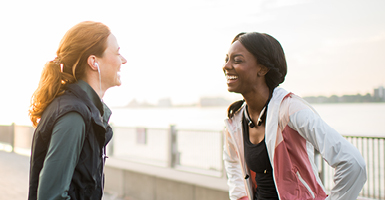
x=236 y=55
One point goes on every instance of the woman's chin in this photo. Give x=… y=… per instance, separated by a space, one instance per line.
x=118 y=82
x=232 y=90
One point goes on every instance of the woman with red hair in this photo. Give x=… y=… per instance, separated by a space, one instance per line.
x=71 y=120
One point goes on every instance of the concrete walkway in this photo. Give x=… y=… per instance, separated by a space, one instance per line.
x=14 y=173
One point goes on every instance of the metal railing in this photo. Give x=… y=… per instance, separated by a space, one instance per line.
x=190 y=150
x=201 y=152
x=16 y=138
x=373 y=151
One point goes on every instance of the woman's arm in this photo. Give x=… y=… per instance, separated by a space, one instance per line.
x=350 y=167
x=63 y=153
x=233 y=168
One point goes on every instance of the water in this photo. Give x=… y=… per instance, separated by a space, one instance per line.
x=354 y=119
x=357 y=119
x=211 y=118
x=363 y=119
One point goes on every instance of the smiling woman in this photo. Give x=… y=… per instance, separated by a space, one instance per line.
x=271 y=135
x=70 y=117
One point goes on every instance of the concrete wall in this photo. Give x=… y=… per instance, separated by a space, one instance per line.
x=136 y=181
x=19 y=137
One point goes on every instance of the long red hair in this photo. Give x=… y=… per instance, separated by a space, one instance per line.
x=84 y=39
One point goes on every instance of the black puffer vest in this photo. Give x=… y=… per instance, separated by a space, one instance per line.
x=87 y=181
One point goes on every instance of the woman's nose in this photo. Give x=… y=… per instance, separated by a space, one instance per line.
x=124 y=61
x=226 y=66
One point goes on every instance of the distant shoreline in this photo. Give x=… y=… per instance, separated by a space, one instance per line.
x=345 y=99
x=377 y=97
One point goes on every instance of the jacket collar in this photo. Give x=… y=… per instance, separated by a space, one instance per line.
x=272 y=120
x=92 y=95
x=92 y=101
x=234 y=125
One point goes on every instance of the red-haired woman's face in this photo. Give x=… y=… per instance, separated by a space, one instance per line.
x=110 y=63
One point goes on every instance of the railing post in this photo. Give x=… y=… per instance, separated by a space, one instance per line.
x=224 y=173
x=323 y=168
x=320 y=165
x=172 y=154
x=13 y=134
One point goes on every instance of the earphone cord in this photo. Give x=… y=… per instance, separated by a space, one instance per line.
x=100 y=84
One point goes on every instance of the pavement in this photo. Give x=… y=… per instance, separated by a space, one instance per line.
x=14 y=173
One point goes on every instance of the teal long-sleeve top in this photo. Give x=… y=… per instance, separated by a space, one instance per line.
x=64 y=150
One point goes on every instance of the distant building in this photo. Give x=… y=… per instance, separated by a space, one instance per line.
x=379 y=94
x=133 y=103
x=164 y=102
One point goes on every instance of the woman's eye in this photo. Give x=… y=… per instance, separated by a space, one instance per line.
x=237 y=61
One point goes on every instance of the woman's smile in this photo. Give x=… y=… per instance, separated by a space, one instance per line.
x=231 y=78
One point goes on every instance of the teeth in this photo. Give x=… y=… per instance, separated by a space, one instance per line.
x=231 y=77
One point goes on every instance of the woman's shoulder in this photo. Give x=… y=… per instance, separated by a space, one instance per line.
x=294 y=103
x=67 y=103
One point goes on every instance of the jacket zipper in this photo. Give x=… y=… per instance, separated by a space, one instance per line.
x=305 y=184
x=104 y=156
x=246 y=177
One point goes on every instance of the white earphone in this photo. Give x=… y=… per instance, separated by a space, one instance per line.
x=100 y=79
x=97 y=65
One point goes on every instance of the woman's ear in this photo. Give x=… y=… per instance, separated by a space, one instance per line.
x=263 y=70
x=91 y=61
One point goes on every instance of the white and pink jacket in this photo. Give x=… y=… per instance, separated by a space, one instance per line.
x=293 y=129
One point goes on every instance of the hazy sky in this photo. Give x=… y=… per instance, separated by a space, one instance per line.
x=175 y=49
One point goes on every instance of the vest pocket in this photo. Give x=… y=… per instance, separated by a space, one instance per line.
x=305 y=184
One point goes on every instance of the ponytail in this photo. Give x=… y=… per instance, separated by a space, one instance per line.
x=50 y=86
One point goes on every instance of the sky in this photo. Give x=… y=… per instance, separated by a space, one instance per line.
x=175 y=49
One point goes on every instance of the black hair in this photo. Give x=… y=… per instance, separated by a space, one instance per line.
x=269 y=53
x=234 y=107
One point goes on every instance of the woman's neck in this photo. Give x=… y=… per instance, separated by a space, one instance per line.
x=256 y=100
x=96 y=86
